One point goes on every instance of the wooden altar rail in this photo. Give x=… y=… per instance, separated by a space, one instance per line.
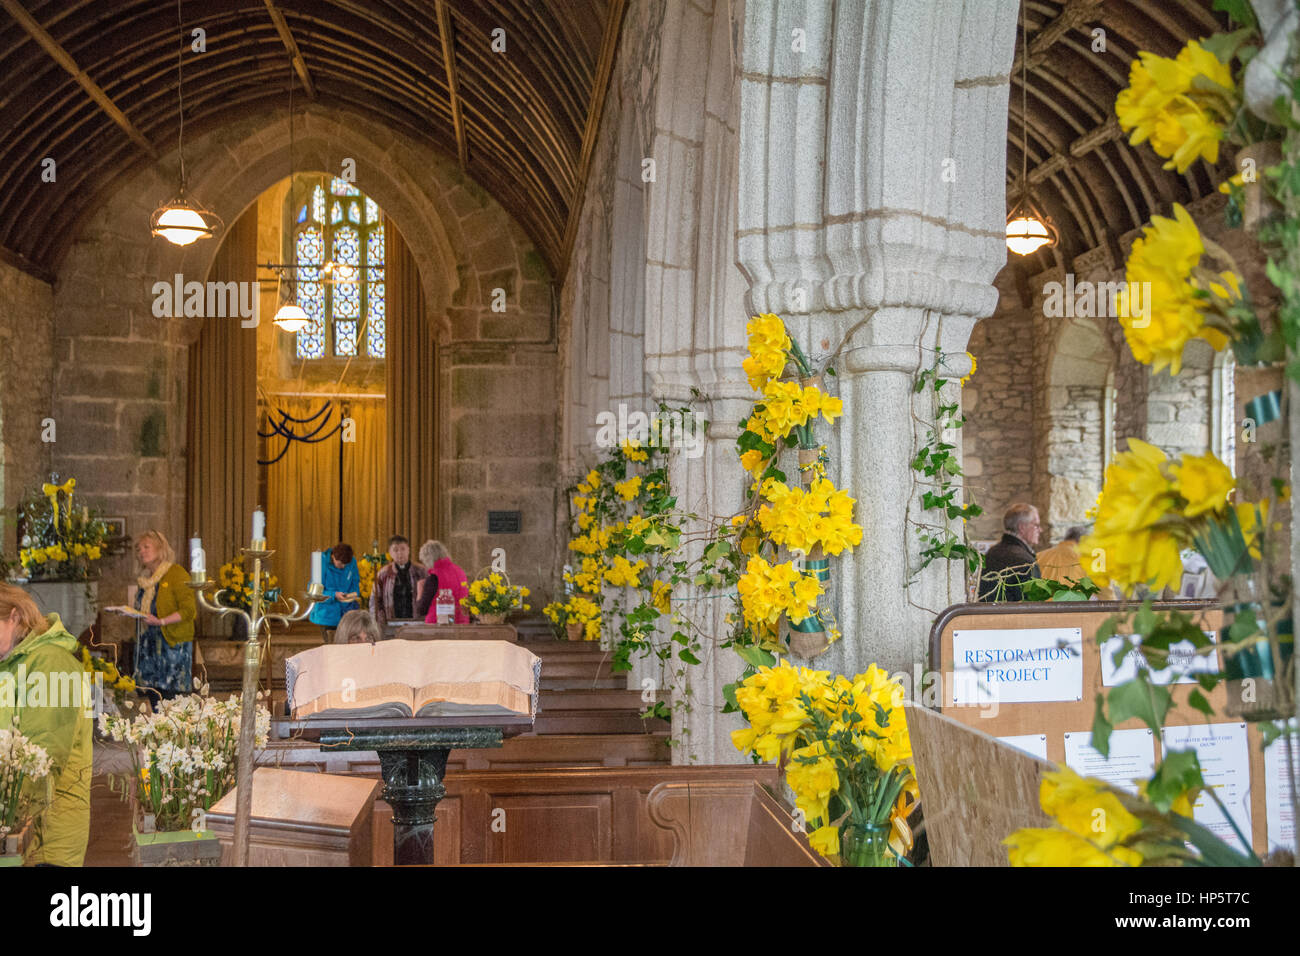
x=714 y=815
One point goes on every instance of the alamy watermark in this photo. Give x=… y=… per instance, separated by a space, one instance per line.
x=1103 y=300
x=207 y=300
x=677 y=428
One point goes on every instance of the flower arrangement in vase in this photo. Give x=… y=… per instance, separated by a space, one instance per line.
x=58 y=542
x=578 y=617
x=368 y=567
x=846 y=753
x=24 y=767
x=492 y=597
x=237 y=586
x=184 y=757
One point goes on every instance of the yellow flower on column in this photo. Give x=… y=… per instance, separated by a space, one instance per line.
x=1204 y=481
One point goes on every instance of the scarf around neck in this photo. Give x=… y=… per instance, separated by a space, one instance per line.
x=149 y=586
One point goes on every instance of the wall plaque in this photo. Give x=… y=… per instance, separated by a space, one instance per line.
x=503 y=522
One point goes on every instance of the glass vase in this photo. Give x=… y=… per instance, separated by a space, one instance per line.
x=866 y=846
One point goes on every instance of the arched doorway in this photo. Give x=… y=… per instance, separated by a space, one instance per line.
x=301 y=422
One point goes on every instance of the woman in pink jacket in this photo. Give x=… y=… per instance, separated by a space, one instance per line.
x=443 y=573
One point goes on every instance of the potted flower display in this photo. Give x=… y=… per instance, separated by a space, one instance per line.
x=492 y=597
x=183 y=759
x=23 y=766
x=237 y=591
x=60 y=545
x=846 y=753
x=578 y=617
x=368 y=566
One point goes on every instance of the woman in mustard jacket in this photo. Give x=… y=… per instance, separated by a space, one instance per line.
x=30 y=645
x=164 y=645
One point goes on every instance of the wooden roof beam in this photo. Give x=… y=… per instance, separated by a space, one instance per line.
x=1074 y=14
x=453 y=86
x=290 y=44
x=65 y=60
x=599 y=87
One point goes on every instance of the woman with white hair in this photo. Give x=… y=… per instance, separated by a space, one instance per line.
x=443 y=573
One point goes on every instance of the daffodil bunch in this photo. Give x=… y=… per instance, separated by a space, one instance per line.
x=576 y=610
x=24 y=767
x=802 y=520
x=237 y=586
x=1171 y=297
x=1152 y=508
x=767 y=591
x=1096 y=824
x=494 y=594
x=121 y=684
x=1183 y=106
x=846 y=750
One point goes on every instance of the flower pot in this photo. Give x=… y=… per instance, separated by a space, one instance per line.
x=866 y=846
x=492 y=618
x=574 y=630
x=14 y=845
x=180 y=848
x=1257 y=205
x=74 y=601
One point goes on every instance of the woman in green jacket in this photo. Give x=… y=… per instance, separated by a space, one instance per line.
x=37 y=650
x=164 y=644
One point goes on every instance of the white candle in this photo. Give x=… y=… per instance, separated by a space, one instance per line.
x=198 y=559
x=259 y=525
x=316 y=567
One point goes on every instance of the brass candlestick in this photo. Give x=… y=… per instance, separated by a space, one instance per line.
x=255 y=618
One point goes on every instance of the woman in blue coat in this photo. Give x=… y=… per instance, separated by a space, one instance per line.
x=342 y=581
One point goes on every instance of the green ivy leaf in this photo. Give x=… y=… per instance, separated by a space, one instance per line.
x=755 y=656
x=1140 y=698
x=687 y=656
x=1197 y=700
x=1101 y=727
x=1177 y=773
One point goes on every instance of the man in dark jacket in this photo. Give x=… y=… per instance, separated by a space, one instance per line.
x=1011 y=562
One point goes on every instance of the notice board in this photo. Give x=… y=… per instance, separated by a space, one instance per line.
x=1029 y=674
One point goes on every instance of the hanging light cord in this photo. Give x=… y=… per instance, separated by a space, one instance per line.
x=1024 y=100
x=180 y=91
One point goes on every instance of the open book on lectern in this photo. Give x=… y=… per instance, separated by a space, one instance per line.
x=413 y=679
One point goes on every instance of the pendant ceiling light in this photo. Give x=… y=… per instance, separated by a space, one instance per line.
x=181 y=220
x=1028 y=229
x=290 y=315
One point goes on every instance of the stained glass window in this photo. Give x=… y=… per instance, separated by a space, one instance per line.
x=375 y=324
x=340 y=271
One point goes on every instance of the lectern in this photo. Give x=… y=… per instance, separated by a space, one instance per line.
x=413 y=755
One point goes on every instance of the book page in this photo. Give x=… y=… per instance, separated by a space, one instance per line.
x=494 y=675
x=491 y=697
x=382 y=700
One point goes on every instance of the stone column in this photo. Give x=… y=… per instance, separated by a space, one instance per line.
x=871 y=218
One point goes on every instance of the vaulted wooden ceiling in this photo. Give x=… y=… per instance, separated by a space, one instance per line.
x=1083 y=172
x=93 y=84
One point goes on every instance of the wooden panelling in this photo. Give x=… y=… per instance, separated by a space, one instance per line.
x=560 y=815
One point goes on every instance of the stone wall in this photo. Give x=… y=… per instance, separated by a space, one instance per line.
x=26 y=391
x=997 y=439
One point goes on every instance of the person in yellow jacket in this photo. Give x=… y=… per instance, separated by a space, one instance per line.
x=38 y=650
x=164 y=645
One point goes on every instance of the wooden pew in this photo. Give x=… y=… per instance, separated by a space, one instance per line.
x=729 y=823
